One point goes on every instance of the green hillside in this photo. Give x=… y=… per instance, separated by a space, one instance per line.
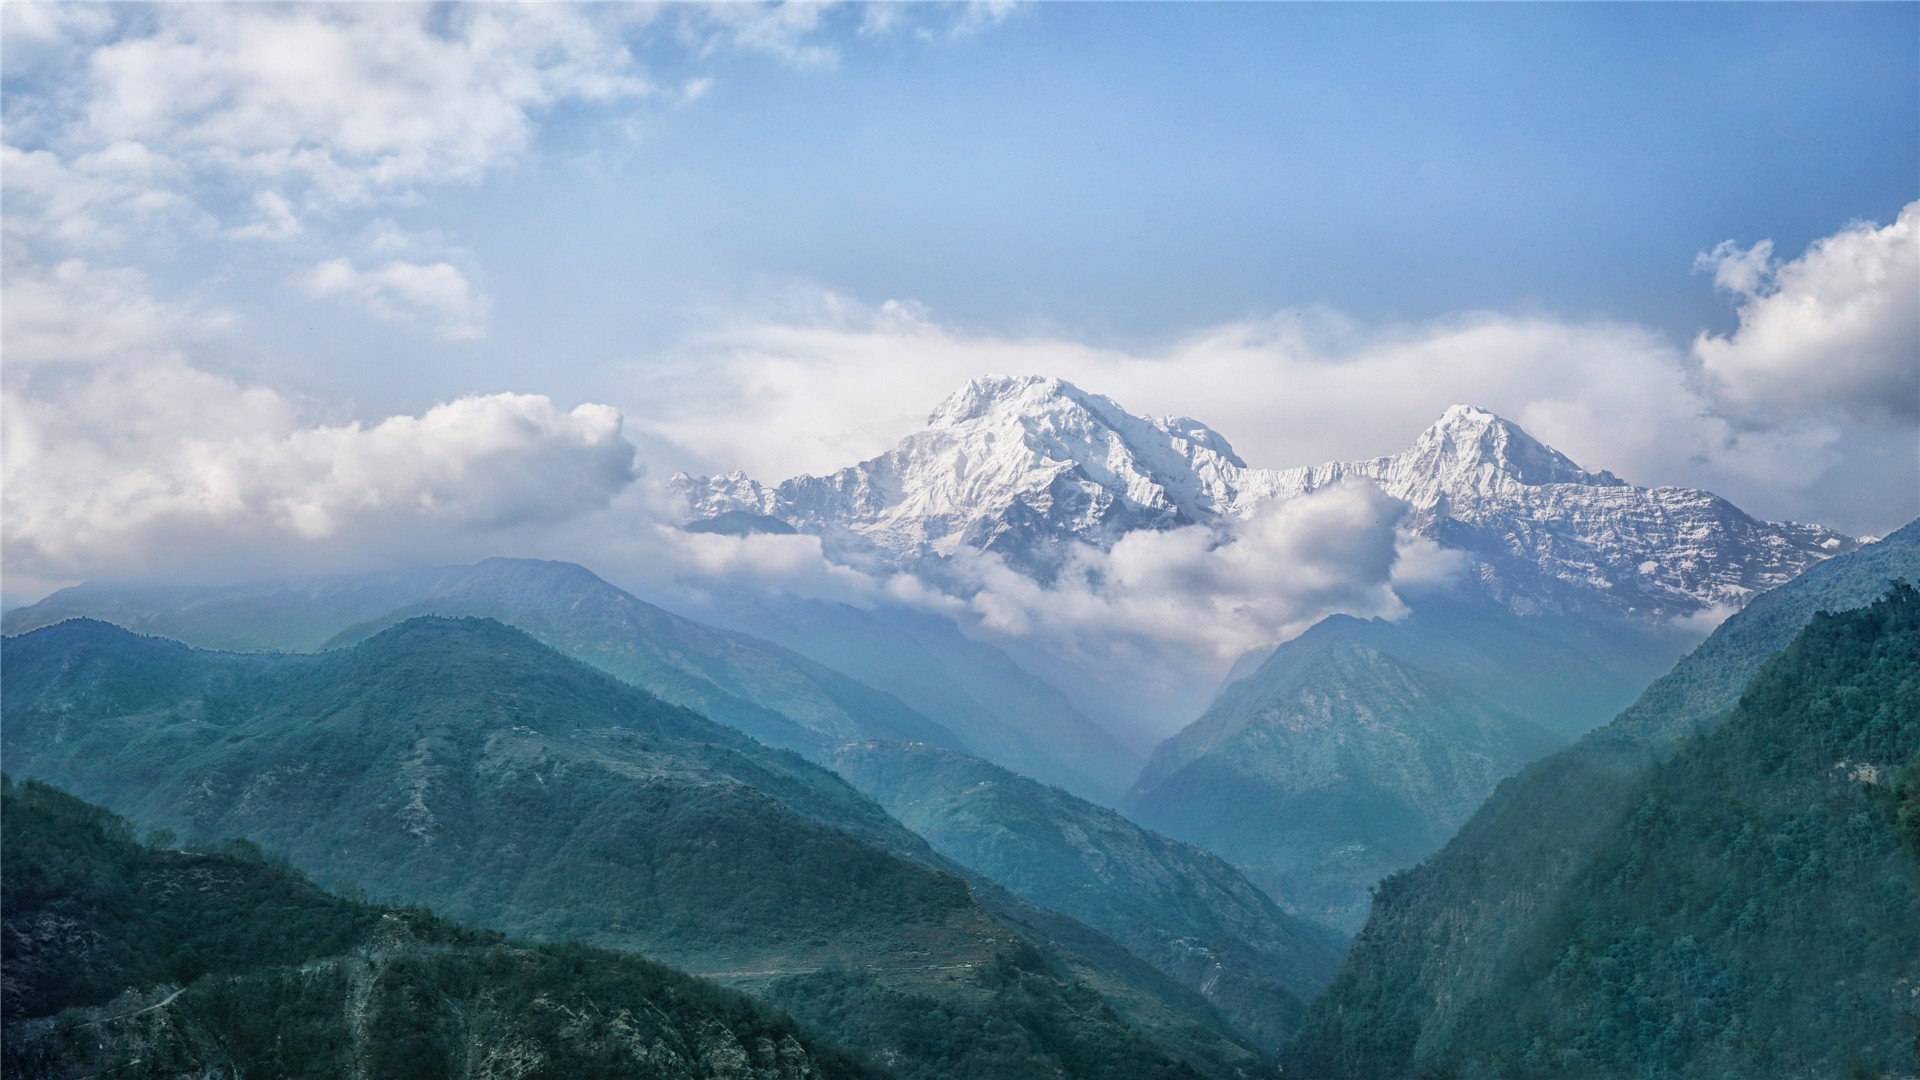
x=1443 y=935
x=462 y=764
x=769 y=692
x=1759 y=913
x=143 y=961
x=1004 y=713
x=1330 y=766
x=1180 y=907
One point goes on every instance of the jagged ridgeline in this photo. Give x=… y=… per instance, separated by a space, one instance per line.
x=132 y=960
x=1710 y=886
x=460 y=763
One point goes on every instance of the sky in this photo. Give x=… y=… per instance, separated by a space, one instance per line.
x=316 y=287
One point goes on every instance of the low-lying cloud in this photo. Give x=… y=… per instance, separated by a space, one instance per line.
x=1160 y=602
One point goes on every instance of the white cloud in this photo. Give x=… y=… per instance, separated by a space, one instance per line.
x=158 y=465
x=843 y=383
x=437 y=296
x=1837 y=329
x=782 y=29
x=74 y=313
x=978 y=15
x=277 y=220
x=121 y=456
x=346 y=104
x=1161 y=603
x=1827 y=354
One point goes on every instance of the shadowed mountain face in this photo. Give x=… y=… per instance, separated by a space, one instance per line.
x=1330 y=766
x=217 y=963
x=769 y=692
x=462 y=764
x=1181 y=908
x=829 y=672
x=1006 y=714
x=1443 y=938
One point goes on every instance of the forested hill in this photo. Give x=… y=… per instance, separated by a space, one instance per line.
x=1472 y=905
x=132 y=960
x=461 y=763
x=1759 y=912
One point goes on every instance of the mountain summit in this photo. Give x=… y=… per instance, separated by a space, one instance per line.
x=1030 y=467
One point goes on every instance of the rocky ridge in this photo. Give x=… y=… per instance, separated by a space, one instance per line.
x=1028 y=467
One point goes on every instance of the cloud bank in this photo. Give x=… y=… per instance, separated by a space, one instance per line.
x=1798 y=414
x=121 y=456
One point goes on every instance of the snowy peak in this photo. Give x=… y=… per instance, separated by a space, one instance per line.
x=1032 y=468
x=1002 y=396
x=1471 y=445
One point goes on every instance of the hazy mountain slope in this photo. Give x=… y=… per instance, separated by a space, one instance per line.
x=1567 y=674
x=1029 y=467
x=484 y=773
x=216 y=963
x=1183 y=909
x=1754 y=910
x=461 y=763
x=1004 y=713
x=1330 y=766
x=1465 y=912
x=769 y=692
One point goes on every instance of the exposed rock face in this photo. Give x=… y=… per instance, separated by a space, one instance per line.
x=1028 y=467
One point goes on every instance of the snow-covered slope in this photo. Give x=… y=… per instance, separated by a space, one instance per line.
x=1029 y=466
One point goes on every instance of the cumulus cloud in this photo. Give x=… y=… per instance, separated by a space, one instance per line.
x=157 y=465
x=842 y=383
x=1827 y=353
x=120 y=455
x=345 y=104
x=437 y=296
x=74 y=313
x=1161 y=602
x=1836 y=329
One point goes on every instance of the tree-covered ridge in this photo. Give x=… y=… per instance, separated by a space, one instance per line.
x=772 y=693
x=1440 y=935
x=1759 y=914
x=1753 y=908
x=1178 y=906
x=460 y=763
x=145 y=961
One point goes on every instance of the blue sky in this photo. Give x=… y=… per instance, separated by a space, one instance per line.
x=771 y=238
x=1127 y=174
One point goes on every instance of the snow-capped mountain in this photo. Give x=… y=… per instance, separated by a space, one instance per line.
x=1029 y=466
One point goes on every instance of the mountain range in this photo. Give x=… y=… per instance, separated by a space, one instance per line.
x=988 y=882
x=768 y=690
x=1440 y=948
x=459 y=763
x=1358 y=748
x=1027 y=467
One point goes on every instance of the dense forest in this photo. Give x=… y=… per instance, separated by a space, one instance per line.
x=1752 y=906
x=146 y=960
x=460 y=763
